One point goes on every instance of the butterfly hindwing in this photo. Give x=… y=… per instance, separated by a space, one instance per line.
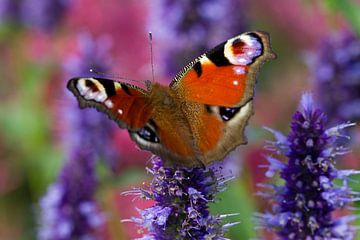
x=225 y=75
x=124 y=103
x=223 y=130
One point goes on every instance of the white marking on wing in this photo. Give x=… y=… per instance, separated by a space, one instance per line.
x=244 y=111
x=204 y=60
x=248 y=40
x=90 y=95
x=101 y=97
x=82 y=88
x=252 y=49
x=117 y=85
x=239 y=70
x=109 y=103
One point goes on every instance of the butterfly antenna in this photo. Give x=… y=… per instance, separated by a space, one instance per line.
x=114 y=76
x=152 y=57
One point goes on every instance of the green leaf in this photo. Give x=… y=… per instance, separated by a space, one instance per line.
x=236 y=199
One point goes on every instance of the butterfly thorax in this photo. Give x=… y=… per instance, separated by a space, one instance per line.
x=170 y=117
x=166 y=105
x=162 y=95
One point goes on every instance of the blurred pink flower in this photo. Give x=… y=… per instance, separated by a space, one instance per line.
x=304 y=24
x=131 y=154
x=124 y=21
x=128 y=212
x=38 y=46
x=252 y=160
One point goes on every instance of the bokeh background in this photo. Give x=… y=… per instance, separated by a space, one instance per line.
x=48 y=146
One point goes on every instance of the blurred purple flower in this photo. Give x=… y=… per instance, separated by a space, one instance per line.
x=189 y=28
x=93 y=54
x=337 y=76
x=69 y=210
x=9 y=11
x=87 y=127
x=43 y=14
x=182 y=197
x=303 y=206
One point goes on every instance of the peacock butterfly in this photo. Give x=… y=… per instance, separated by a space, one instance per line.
x=201 y=116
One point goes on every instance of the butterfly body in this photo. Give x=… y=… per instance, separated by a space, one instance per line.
x=201 y=116
x=169 y=121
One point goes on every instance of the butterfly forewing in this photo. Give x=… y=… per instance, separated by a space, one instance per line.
x=124 y=103
x=223 y=81
x=226 y=75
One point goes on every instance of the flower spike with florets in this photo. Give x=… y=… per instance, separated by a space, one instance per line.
x=303 y=207
x=182 y=196
x=69 y=209
x=336 y=72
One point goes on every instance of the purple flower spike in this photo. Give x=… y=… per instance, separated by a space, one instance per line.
x=303 y=207
x=336 y=70
x=43 y=14
x=69 y=209
x=181 y=210
x=87 y=126
x=9 y=11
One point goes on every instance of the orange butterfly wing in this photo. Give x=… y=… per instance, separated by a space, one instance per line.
x=204 y=113
x=226 y=75
x=222 y=83
x=124 y=103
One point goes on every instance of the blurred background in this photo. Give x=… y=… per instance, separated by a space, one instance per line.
x=54 y=154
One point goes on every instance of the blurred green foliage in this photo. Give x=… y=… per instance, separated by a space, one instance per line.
x=349 y=9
